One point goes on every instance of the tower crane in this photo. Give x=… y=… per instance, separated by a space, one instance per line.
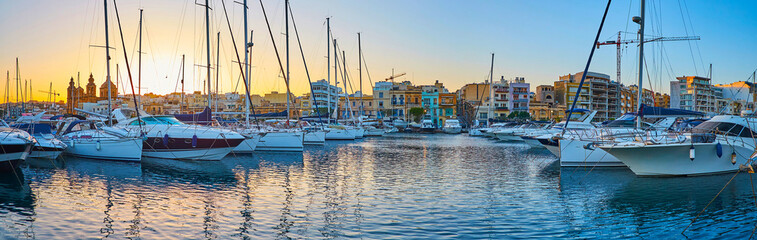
x=630 y=41
x=391 y=78
x=51 y=94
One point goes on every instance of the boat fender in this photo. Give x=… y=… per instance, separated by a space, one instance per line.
x=73 y=143
x=98 y=145
x=165 y=140
x=719 y=150
x=692 y=153
x=733 y=157
x=590 y=146
x=194 y=140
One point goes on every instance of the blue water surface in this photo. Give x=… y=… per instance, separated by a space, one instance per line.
x=400 y=186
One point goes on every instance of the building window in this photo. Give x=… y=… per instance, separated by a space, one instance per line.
x=381 y=95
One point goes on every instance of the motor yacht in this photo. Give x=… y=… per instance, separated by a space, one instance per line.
x=427 y=126
x=452 y=126
x=167 y=137
x=546 y=137
x=722 y=144
x=46 y=146
x=15 y=146
x=577 y=147
x=399 y=124
x=91 y=139
x=372 y=131
x=513 y=134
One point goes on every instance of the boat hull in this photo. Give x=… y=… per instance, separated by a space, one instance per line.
x=531 y=141
x=46 y=152
x=673 y=159
x=11 y=155
x=210 y=154
x=280 y=142
x=187 y=148
x=314 y=138
x=127 y=149
x=575 y=153
x=508 y=137
x=248 y=145
x=374 y=132
x=452 y=130
x=339 y=134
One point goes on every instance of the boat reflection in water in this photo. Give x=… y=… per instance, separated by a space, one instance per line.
x=428 y=186
x=17 y=206
x=659 y=206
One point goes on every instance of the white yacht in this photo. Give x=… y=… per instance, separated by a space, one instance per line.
x=167 y=137
x=399 y=124
x=280 y=140
x=513 y=134
x=313 y=135
x=721 y=144
x=89 y=139
x=338 y=132
x=577 y=147
x=251 y=139
x=546 y=137
x=356 y=131
x=427 y=126
x=46 y=146
x=452 y=126
x=372 y=131
x=15 y=145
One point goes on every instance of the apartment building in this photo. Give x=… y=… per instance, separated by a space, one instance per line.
x=323 y=98
x=693 y=93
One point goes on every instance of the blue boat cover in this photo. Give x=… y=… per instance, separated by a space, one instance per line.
x=660 y=111
x=34 y=128
x=271 y=114
x=204 y=117
x=578 y=110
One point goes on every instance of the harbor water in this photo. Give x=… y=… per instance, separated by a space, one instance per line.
x=401 y=186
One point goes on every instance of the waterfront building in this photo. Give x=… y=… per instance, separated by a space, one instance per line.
x=693 y=93
x=324 y=97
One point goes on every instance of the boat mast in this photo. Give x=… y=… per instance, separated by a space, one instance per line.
x=218 y=54
x=107 y=63
x=360 y=70
x=7 y=86
x=207 y=45
x=247 y=59
x=286 y=22
x=491 y=93
x=344 y=82
x=139 y=59
x=328 y=70
x=336 y=80
x=181 y=104
x=18 y=87
x=641 y=67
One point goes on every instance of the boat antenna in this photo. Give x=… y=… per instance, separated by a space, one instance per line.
x=586 y=69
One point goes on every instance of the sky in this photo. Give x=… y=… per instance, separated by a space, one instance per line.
x=445 y=40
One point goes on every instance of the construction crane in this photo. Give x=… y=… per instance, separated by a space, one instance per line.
x=391 y=78
x=630 y=41
x=54 y=95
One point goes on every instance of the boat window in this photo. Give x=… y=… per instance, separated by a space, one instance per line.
x=730 y=129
